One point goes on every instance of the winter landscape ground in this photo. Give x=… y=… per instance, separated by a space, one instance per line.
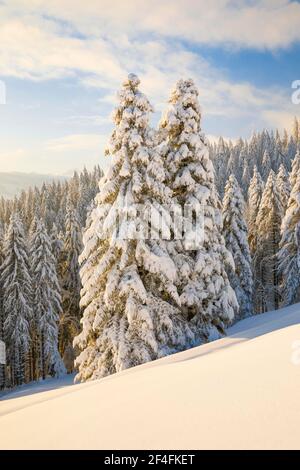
x=240 y=392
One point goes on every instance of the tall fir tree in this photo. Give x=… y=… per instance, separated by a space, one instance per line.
x=268 y=224
x=296 y=131
x=17 y=301
x=266 y=165
x=289 y=252
x=204 y=288
x=295 y=168
x=246 y=177
x=57 y=244
x=221 y=161
x=46 y=302
x=236 y=238
x=2 y=366
x=70 y=278
x=255 y=192
x=283 y=186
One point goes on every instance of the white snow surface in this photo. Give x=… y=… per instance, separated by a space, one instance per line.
x=240 y=392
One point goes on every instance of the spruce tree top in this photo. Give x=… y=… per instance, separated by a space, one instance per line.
x=136 y=168
x=295 y=168
x=191 y=170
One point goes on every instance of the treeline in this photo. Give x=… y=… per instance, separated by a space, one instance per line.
x=267 y=170
x=40 y=242
x=265 y=150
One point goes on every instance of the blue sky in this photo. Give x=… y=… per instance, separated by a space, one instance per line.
x=63 y=61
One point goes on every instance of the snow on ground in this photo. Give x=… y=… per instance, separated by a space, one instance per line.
x=38 y=387
x=241 y=392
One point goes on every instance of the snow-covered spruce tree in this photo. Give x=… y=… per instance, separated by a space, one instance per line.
x=289 y=249
x=205 y=292
x=231 y=167
x=266 y=165
x=236 y=238
x=131 y=313
x=268 y=224
x=283 y=186
x=71 y=284
x=278 y=157
x=291 y=151
x=295 y=168
x=296 y=131
x=242 y=163
x=17 y=300
x=2 y=366
x=220 y=164
x=246 y=177
x=57 y=244
x=255 y=192
x=86 y=195
x=46 y=301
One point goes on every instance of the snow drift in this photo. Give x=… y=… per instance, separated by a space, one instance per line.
x=240 y=392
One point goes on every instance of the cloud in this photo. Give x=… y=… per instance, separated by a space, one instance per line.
x=258 y=24
x=57 y=155
x=101 y=40
x=86 y=120
x=280 y=119
x=76 y=142
x=39 y=52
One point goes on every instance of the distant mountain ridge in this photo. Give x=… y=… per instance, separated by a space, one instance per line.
x=12 y=183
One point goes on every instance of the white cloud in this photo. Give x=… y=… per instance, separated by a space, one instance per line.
x=86 y=120
x=55 y=156
x=242 y=23
x=280 y=119
x=76 y=142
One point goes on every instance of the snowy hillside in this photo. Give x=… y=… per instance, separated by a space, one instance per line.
x=239 y=392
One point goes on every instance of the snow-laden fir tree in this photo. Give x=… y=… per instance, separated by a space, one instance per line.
x=291 y=151
x=243 y=159
x=285 y=139
x=246 y=177
x=17 y=300
x=289 y=252
x=206 y=295
x=232 y=164
x=295 y=168
x=57 y=244
x=296 y=131
x=87 y=193
x=2 y=366
x=46 y=301
x=236 y=238
x=266 y=165
x=220 y=164
x=268 y=224
x=283 y=186
x=255 y=192
x=278 y=157
x=71 y=284
x=131 y=305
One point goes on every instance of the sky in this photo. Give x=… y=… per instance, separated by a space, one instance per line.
x=62 y=62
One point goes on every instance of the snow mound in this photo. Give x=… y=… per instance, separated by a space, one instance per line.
x=240 y=392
